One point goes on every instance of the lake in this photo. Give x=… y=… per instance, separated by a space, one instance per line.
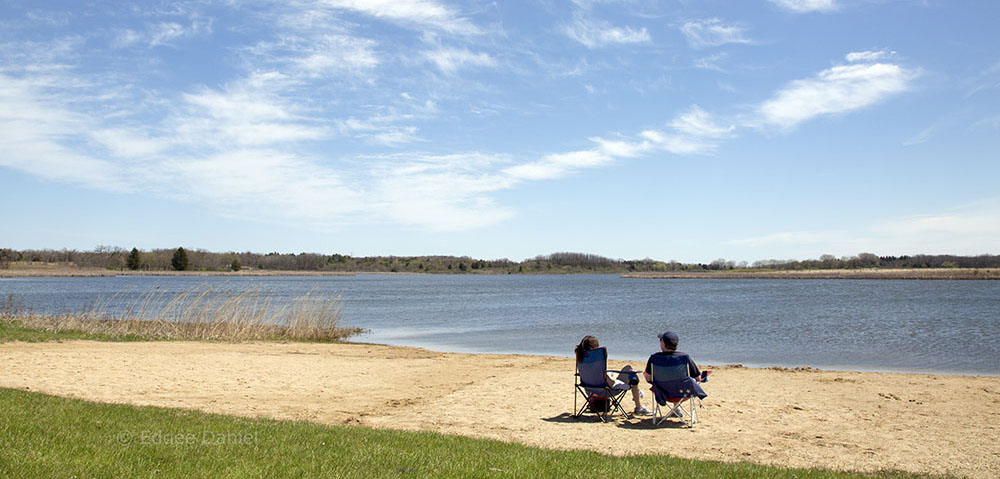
x=864 y=325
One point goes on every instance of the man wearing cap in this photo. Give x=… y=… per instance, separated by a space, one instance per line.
x=668 y=347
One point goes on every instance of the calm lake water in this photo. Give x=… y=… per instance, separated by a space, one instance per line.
x=865 y=325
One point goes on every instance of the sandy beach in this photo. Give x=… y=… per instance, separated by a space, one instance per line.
x=838 y=420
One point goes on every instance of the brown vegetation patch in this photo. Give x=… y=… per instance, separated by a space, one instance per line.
x=199 y=314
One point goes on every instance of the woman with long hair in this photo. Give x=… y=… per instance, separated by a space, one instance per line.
x=626 y=376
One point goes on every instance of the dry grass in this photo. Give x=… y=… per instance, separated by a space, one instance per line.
x=203 y=313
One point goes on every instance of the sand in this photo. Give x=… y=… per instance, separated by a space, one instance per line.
x=802 y=418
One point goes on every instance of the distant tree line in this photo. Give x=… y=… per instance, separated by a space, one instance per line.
x=868 y=260
x=183 y=259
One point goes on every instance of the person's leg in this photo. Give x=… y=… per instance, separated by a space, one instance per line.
x=629 y=376
x=636 y=395
x=680 y=404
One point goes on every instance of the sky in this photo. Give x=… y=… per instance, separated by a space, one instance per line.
x=675 y=130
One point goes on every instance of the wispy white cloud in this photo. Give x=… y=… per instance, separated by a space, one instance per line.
x=422 y=13
x=678 y=144
x=988 y=79
x=34 y=127
x=963 y=229
x=267 y=183
x=50 y=18
x=805 y=6
x=380 y=129
x=711 y=62
x=126 y=37
x=712 y=33
x=559 y=164
x=989 y=122
x=241 y=115
x=869 y=56
x=441 y=192
x=697 y=122
x=689 y=133
x=319 y=55
x=31 y=57
x=127 y=143
x=598 y=33
x=449 y=60
x=836 y=90
x=163 y=33
x=921 y=137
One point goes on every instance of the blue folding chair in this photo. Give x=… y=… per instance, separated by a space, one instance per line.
x=671 y=384
x=590 y=382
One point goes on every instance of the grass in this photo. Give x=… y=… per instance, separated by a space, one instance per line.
x=12 y=329
x=202 y=313
x=47 y=436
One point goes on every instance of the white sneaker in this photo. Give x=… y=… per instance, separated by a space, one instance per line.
x=641 y=411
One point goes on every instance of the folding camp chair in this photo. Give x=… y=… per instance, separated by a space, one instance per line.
x=590 y=382
x=671 y=384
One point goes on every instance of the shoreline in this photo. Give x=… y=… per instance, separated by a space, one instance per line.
x=887 y=274
x=709 y=363
x=103 y=273
x=798 y=418
x=907 y=274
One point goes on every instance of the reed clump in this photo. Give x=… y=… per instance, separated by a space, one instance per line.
x=202 y=313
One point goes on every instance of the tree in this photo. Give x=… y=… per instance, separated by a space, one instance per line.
x=6 y=256
x=235 y=265
x=180 y=260
x=134 y=260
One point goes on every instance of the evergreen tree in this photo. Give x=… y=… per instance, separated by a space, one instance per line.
x=180 y=260
x=134 y=260
x=235 y=265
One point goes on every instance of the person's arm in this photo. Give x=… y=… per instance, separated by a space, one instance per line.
x=693 y=368
x=645 y=373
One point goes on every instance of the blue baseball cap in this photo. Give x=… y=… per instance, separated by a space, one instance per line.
x=669 y=337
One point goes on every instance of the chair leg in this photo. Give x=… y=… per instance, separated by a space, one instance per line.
x=617 y=399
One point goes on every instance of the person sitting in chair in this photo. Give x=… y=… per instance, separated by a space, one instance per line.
x=668 y=347
x=627 y=379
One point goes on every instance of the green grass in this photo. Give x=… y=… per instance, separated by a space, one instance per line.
x=46 y=436
x=14 y=330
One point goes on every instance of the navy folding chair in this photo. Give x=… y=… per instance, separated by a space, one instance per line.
x=671 y=384
x=590 y=382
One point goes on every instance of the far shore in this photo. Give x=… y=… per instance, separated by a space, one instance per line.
x=875 y=273
x=43 y=271
x=923 y=423
x=70 y=272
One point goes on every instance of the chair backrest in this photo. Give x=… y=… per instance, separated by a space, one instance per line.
x=670 y=378
x=591 y=368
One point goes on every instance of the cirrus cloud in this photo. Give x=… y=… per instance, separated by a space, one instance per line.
x=712 y=33
x=805 y=6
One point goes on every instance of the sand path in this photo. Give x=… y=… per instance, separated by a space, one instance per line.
x=839 y=420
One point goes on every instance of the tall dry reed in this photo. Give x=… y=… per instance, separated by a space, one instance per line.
x=201 y=313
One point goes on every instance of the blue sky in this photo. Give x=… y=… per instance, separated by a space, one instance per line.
x=685 y=130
